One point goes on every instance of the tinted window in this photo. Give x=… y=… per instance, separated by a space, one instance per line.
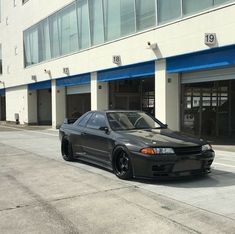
x=131 y=120
x=97 y=121
x=82 y=122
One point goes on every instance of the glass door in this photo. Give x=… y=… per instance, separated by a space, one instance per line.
x=206 y=109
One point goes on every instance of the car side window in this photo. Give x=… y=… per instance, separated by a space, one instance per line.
x=97 y=121
x=84 y=120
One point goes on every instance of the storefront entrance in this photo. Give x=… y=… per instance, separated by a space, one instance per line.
x=207 y=109
x=132 y=94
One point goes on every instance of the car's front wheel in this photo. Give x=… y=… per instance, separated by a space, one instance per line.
x=67 y=150
x=122 y=166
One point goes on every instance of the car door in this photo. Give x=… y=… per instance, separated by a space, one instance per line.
x=76 y=135
x=97 y=143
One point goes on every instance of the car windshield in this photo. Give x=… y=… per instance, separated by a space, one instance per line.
x=131 y=120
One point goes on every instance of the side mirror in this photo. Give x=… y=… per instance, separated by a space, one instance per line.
x=105 y=129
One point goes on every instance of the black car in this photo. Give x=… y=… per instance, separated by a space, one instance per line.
x=133 y=144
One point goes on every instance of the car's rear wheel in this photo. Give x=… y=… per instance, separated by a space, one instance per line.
x=67 y=150
x=122 y=164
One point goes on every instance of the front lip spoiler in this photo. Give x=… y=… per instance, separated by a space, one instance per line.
x=175 y=176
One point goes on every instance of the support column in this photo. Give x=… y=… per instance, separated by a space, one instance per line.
x=99 y=93
x=167 y=101
x=58 y=99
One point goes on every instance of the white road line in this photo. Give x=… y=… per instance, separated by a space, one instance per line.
x=24 y=130
x=221 y=164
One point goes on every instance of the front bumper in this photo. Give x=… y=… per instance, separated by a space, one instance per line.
x=145 y=166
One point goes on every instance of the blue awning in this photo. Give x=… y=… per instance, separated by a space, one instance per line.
x=128 y=72
x=40 y=85
x=207 y=59
x=74 y=80
x=2 y=92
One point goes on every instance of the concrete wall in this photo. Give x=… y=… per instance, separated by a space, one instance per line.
x=58 y=102
x=17 y=102
x=32 y=107
x=99 y=94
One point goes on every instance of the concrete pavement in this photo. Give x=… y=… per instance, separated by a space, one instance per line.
x=41 y=193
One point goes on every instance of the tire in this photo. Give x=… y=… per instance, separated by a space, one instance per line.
x=67 y=150
x=122 y=166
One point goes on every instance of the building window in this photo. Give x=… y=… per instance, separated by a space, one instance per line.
x=31 y=46
x=68 y=31
x=96 y=21
x=189 y=6
x=0 y=11
x=217 y=2
x=127 y=11
x=86 y=23
x=24 y=1
x=83 y=24
x=145 y=14
x=168 y=10
x=0 y=59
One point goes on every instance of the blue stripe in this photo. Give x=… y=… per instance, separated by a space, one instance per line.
x=211 y=58
x=40 y=85
x=74 y=80
x=2 y=92
x=128 y=72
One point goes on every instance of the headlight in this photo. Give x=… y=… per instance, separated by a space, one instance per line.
x=153 y=151
x=206 y=147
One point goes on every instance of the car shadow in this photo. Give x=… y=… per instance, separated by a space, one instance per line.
x=217 y=178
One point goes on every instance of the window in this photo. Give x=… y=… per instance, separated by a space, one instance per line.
x=112 y=17
x=189 y=6
x=168 y=10
x=83 y=24
x=127 y=9
x=0 y=11
x=84 y=119
x=217 y=2
x=68 y=34
x=31 y=46
x=44 y=40
x=24 y=1
x=54 y=36
x=145 y=14
x=97 y=121
x=0 y=59
x=96 y=22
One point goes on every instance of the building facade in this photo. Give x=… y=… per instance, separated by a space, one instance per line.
x=172 y=58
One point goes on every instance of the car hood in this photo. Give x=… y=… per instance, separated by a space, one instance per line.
x=160 y=137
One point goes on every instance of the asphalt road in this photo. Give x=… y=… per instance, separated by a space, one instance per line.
x=41 y=193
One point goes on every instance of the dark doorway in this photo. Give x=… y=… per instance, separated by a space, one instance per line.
x=207 y=108
x=132 y=94
x=78 y=104
x=44 y=107
x=2 y=108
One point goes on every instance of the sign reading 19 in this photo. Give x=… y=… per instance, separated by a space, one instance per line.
x=210 y=38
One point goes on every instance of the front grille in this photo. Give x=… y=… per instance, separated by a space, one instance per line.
x=188 y=150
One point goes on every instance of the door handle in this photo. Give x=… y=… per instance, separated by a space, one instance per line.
x=83 y=133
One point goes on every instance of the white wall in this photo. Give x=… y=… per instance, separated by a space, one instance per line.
x=58 y=104
x=99 y=94
x=167 y=96
x=17 y=102
x=32 y=107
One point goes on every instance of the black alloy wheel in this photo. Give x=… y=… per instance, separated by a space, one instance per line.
x=122 y=164
x=67 y=150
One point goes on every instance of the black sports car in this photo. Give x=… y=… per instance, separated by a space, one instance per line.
x=133 y=144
